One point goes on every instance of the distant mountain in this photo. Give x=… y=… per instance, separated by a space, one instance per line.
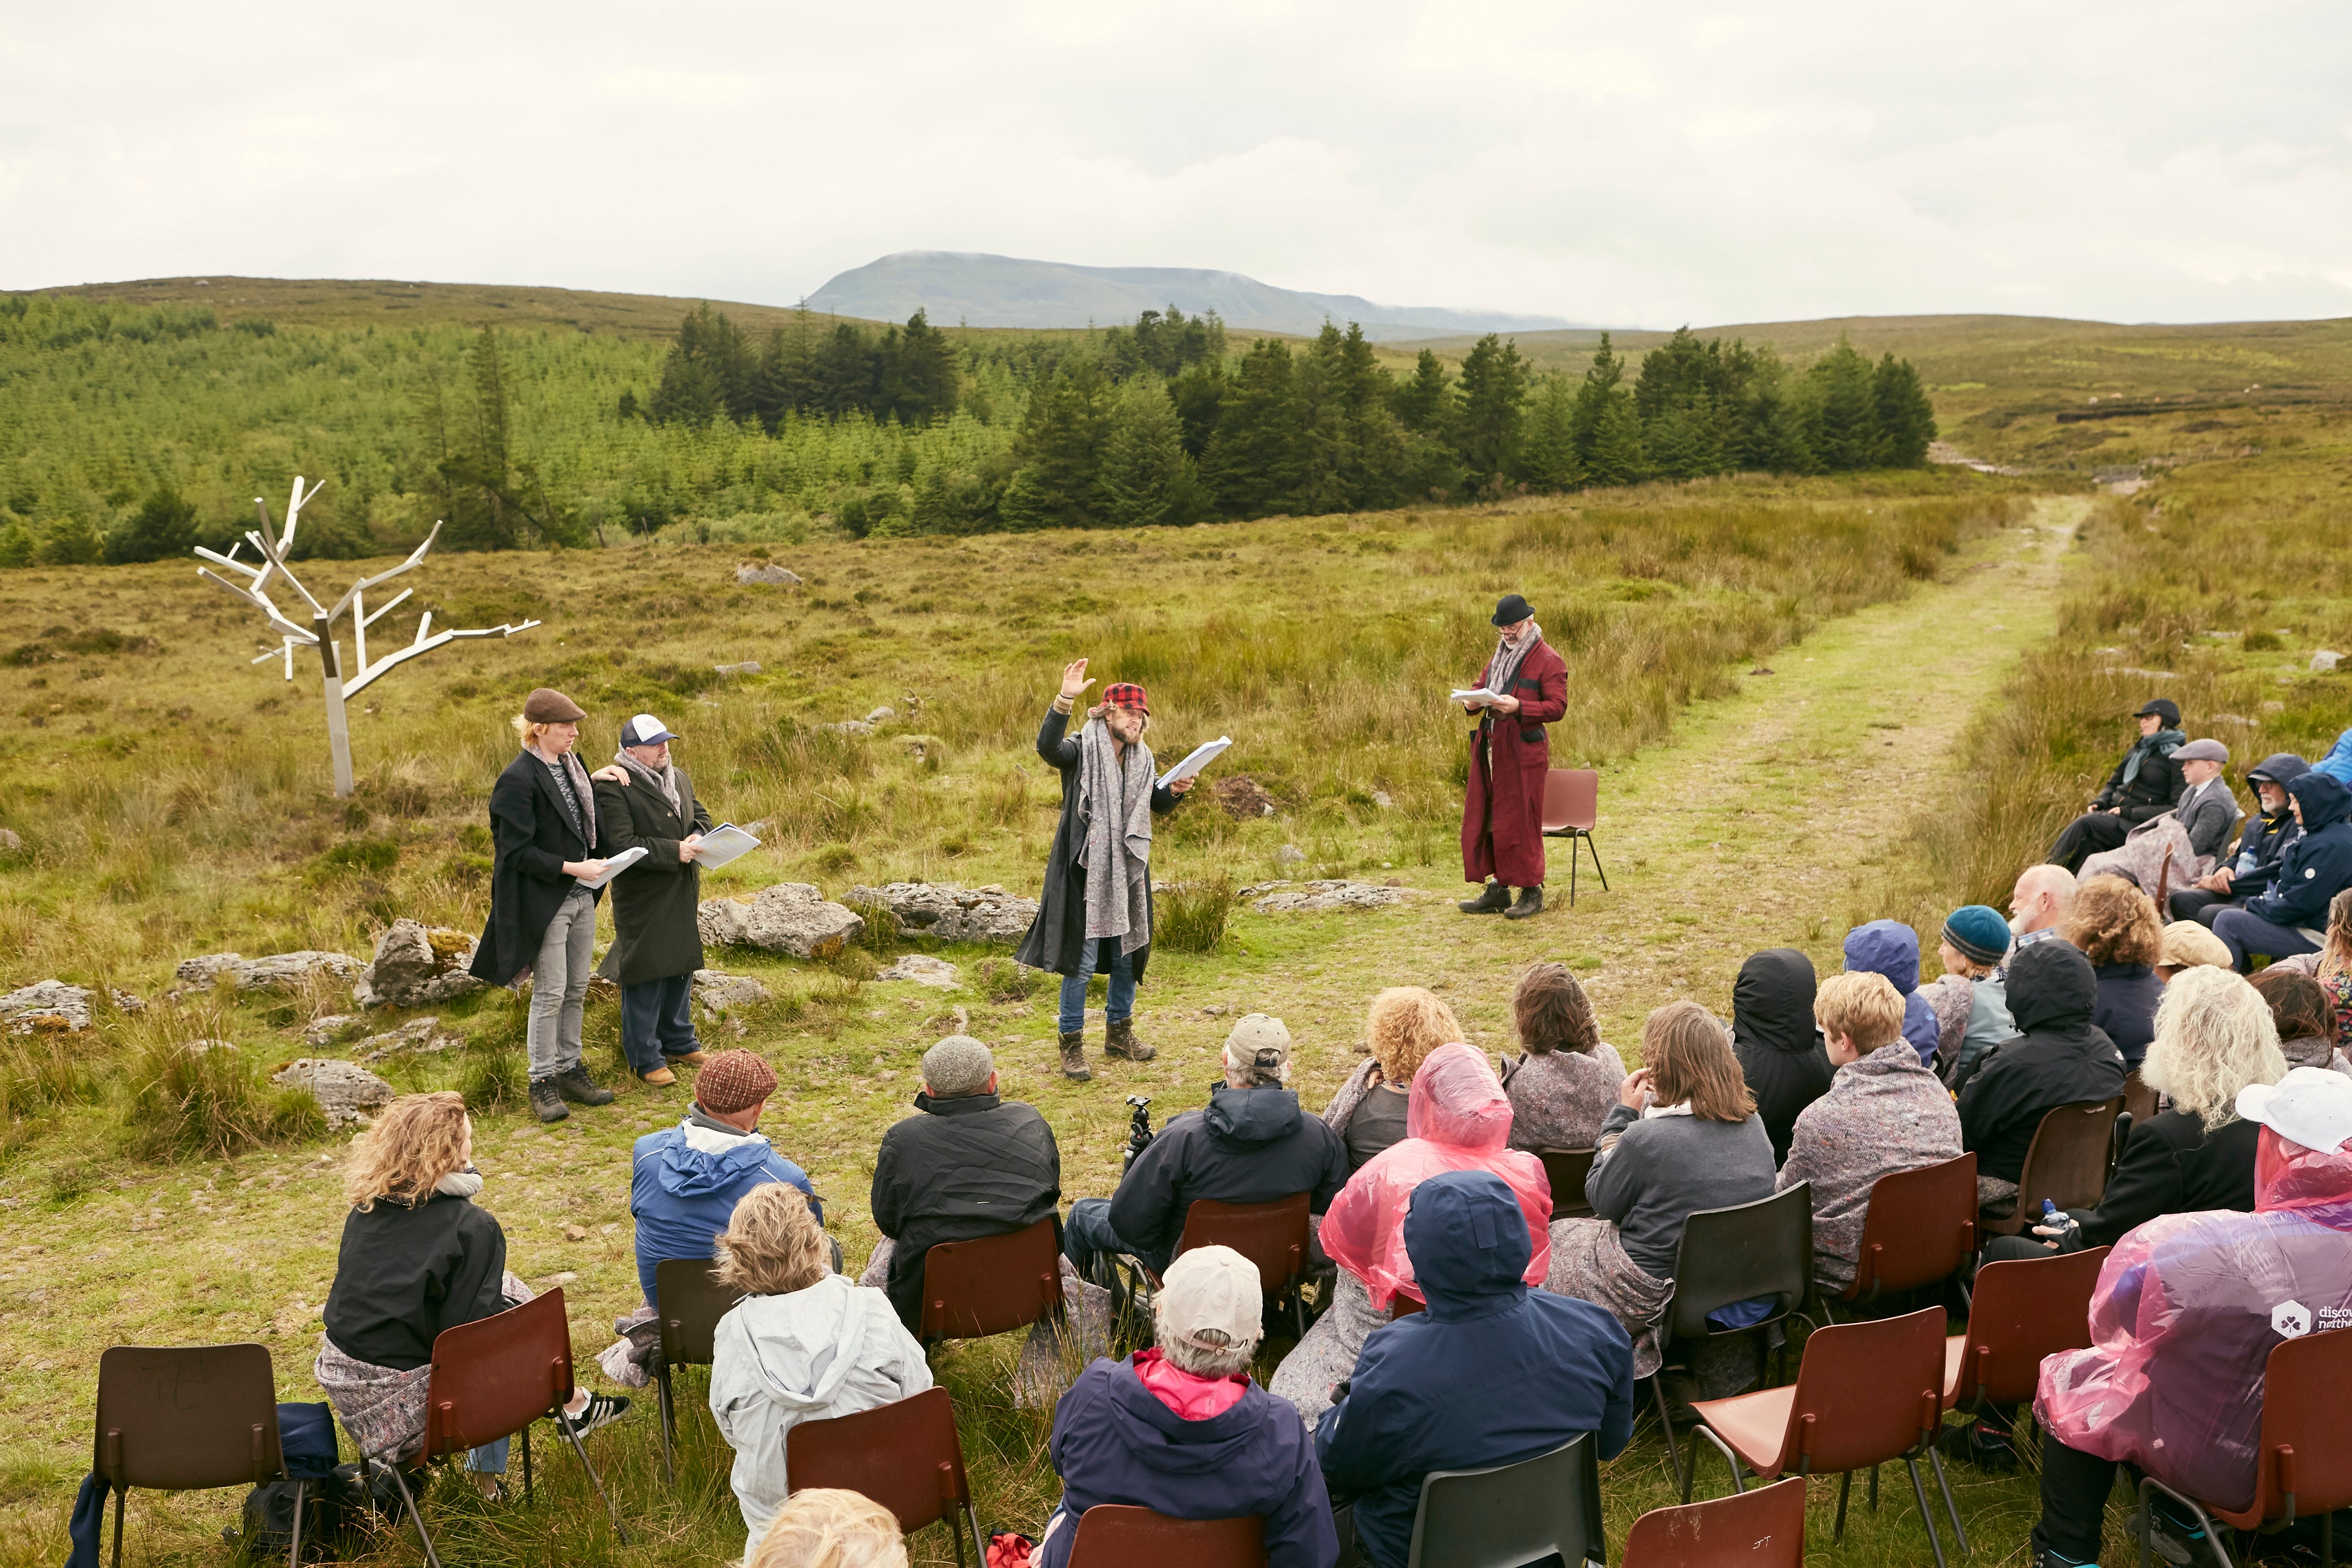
x=1006 y=291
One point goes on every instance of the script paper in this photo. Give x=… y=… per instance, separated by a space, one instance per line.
x=614 y=866
x=723 y=843
x=1478 y=695
x=1202 y=756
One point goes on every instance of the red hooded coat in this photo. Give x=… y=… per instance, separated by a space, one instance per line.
x=1502 y=805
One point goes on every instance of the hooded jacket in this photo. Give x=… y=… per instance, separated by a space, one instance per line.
x=1116 y=1442
x=2266 y=835
x=966 y=1168
x=684 y=1182
x=2058 y=1058
x=1491 y=1374
x=1892 y=948
x=1885 y=1112
x=1246 y=1146
x=1773 y=1034
x=834 y=1349
x=2316 y=867
x=2337 y=763
x=407 y=1271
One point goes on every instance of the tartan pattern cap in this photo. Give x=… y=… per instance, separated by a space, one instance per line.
x=732 y=1081
x=1126 y=694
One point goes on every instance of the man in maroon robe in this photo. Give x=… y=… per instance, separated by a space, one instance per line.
x=1501 y=811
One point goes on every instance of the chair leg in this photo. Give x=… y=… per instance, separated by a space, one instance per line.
x=1845 y=1486
x=1658 y=1388
x=121 y=1501
x=1571 y=871
x=594 y=1479
x=1873 y=1488
x=2149 y=1486
x=526 y=1466
x=668 y=1421
x=1943 y=1484
x=415 y=1516
x=294 y=1550
x=1595 y=848
x=1920 y=1492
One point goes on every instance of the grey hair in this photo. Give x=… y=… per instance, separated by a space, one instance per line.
x=2214 y=1036
x=1216 y=1357
x=957 y=1067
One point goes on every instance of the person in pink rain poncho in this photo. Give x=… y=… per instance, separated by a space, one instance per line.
x=1457 y=1117
x=2188 y=1309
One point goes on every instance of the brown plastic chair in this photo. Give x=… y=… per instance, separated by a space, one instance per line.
x=1762 y=1529
x=1919 y=1227
x=1865 y=1393
x=1403 y=1306
x=904 y=1455
x=1565 y=1169
x=2138 y=1098
x=692 y=1301
x=491 y=1379
x=2066 y=1162
x=2019 y=1312
x=991 y=1286
x=1273 y=1236
x=1113 y=1535
x=1571 y=810
x=184 y=1418
x=2305 y=1463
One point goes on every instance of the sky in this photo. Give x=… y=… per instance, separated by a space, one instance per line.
x=1630 y=164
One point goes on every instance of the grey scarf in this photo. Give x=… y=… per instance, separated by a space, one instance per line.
x=1504 y=668
x=584 y=794
x=664 y=781
x=1115 y=802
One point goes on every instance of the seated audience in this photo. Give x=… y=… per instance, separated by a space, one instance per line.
x=1183 y=1430
x=2144 y=786
x=2186 y=1315
x=1971 y=1000
x=1566 y=1076
x=1404 y=1024
x=2305 y=1016
x=2115 y=925
x=1459 y=1120
x=417 y=1258
x=2189 y=945
x=1774 y=1038
x=1491 y=1374
x=684 y=1181
x=2058 y=1058
x=2313 y=870
x=969 y=1165
x=2332 y=966
x=826 y=1527
x=2250 y=868
x=1884 y=1113
x=1252 y=1144
x=2038 y=905
x=1684 y=1136
x=1892 y=948
x=803 y=1344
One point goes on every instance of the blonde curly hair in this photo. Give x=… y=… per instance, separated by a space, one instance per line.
x=772 y=1245
x=416 y=1139
x=1404 y=1024
x=2214 y=1036
x=827 y=1527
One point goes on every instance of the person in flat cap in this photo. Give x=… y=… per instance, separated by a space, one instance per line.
x=2250 y=869
x=2144 y=786
x=1094 y=914
x=1510 y=756
x=543 y=924
x=2175 y=848
x=645 y=801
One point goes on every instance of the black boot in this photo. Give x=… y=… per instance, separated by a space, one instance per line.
x=1119 y=1040
x=1530 y=904
x=1073 y=1057
x=1494 y=900
x=545 y=1102
x=574 y=1085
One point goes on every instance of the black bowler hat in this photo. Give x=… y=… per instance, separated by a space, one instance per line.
x=2162 y=707
x=1511 y=611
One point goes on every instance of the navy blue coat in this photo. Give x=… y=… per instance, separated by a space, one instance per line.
x=2316 y=867
x=1491 y=1374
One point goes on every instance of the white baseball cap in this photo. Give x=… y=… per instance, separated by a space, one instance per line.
x=1215 y=1288
x=2311 y=1106
x=645 y=729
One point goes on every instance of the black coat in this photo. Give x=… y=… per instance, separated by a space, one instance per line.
x=2150 y=793
x=531 y=836
x=406 y=1274
x=2171 y=1164
x=653 y=902
x=2058 y=1057
x=1778 y=1046
x=1246 y=1146
x=2125 y=1011
x=966 y=1168
x=1058 y=935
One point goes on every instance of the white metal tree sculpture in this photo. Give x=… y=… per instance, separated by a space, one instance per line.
x=273 y=547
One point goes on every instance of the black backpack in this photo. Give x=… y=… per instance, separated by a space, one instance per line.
x=331 y=1509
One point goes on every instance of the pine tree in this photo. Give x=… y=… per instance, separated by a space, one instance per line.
x=1772 y=437
x=163 y=527
x=710 y=371
x=917 y=373
x=1600 y=380
x=1060 y=452
x=1547 y=459
x=1253 y=461
x=1426 y=402
x=1684 y=443
x=1845 y=421
x=1147 y=479
x=1198 y=393
x=1494 y=405
x=1616 y=457
x=1907 y=420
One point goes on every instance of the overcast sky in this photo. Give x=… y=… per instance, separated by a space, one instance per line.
x=1642 y=163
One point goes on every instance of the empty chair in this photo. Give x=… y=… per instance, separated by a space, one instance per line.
x=991 y=1286
x=2018 y=1312
x=1272 y=1236
x=1566 y=1169
x=1115 y=1535
x=2066 y=1162
x=906 y=1456
x=187 y=1418
x=2306 y=1462
x=1865 y=1393
x=1571 y=810
x=692 y=1303
x=1762 y=1529
x=1512 y=1514
x=1919 y=1227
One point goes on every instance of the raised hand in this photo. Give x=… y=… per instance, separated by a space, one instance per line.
x=1074 y=679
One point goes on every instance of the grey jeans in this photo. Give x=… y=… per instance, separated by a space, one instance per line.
x=559 y=985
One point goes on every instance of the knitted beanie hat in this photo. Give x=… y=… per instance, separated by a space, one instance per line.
x=1979 y=932
x=732 y=1081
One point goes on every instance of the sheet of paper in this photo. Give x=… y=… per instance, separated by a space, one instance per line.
x=723 y=843
x=614 y=866
x=1202 y=756
x=1477 y=695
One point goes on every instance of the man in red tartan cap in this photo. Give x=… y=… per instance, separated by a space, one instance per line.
x=1502 y=807
x=1094 y=915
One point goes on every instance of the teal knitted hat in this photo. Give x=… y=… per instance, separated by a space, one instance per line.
x=1979 y=932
